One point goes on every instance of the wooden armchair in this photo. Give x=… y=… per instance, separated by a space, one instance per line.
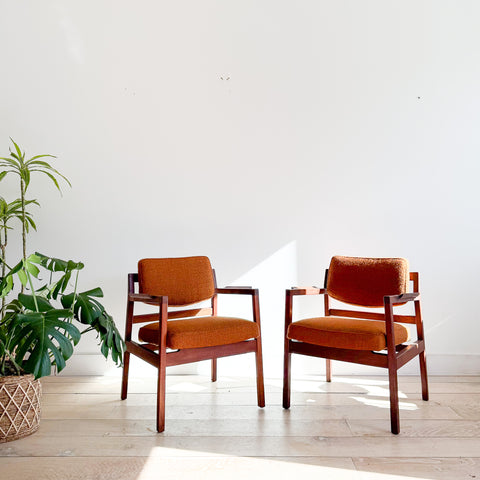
x=364 y=337
x=186 y=335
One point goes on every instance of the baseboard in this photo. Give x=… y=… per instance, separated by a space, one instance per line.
x=95 y=364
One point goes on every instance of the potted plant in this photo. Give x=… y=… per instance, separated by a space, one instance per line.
x=42 y=309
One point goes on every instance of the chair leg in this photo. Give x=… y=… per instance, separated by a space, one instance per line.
x=423 y=375
x=161 y=390
x=126 y=365
x=214 y=369
x=328 y=370
x=260 y=382
x=287 y=361
x=394 y=409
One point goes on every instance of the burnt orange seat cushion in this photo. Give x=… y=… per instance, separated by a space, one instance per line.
x=201 y=332
x=340 y=332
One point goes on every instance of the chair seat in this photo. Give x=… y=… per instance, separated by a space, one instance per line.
x=340 y=332
x=201 y=332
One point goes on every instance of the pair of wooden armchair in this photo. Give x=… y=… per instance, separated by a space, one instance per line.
x=184 y=334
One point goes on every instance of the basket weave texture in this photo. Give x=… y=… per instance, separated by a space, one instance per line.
x=19 y=406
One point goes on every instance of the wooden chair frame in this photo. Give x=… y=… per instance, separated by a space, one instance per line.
x=159 y=357
x=396 y=355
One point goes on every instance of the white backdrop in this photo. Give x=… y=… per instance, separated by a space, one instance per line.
x=268 y=135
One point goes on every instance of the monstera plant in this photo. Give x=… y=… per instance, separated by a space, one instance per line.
x=43 y=312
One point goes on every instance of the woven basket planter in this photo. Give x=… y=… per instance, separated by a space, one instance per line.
x=19 y=406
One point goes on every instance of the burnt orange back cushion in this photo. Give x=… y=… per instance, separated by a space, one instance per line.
x=365 y=281
x=186 y=280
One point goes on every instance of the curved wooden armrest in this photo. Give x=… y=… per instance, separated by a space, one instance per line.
x=237 y=290
x=306 y=291
x=403 y=298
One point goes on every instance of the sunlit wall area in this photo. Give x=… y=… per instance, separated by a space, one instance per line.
x=268 y=135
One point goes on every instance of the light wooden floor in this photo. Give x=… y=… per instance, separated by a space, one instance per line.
x=215 y=431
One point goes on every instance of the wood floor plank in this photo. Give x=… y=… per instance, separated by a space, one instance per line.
x=189 y=446
x=419 y=428
x=420 y=468
x=197 y=428
x=174 y=468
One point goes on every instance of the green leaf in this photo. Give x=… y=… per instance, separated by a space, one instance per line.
x=86 y=309
x=6 y=286
x=30 y=222
x=58 y=313
x=2 y=175
x=44 y=337
x=56 y=264
x=17 y=148
x=34 y=161
x=94 y=292
x=61 y=285
x=28 y=301
x=52 y=178
x=22 y=277
x=31 y=268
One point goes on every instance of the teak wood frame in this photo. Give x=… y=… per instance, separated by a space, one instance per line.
x=159 y=357
x=395 y=358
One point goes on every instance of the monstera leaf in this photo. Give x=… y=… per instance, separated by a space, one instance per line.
x=46 y=335
x=90 y=311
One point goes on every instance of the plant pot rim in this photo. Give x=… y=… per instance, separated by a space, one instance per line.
x=8 y=379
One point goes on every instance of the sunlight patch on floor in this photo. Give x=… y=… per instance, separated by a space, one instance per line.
x=384 y=403
x=376 y=391
x=186 y=387
x=169 y=463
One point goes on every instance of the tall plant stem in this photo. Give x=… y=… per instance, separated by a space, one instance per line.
x=24 y=223
x=3 y=247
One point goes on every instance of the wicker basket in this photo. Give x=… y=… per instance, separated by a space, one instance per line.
x=19 y=406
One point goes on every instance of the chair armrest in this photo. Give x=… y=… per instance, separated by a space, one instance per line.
x=403 y=298
x=306 y=291
x=237 y=290
x=143 y=297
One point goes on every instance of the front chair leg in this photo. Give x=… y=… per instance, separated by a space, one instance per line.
x=260 y=382
x=394 y=409
x=126 y=365
x=286 y=378
x=161 y=391
x=423 y=375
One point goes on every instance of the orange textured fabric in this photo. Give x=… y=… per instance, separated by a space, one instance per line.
x=365 y=281
x=201 y=332
x=186 y=280
x=346 y=333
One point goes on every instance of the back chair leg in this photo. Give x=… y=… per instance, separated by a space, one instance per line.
x=423 y=375
x=126 y=364
x=260 y=382
x=328 y=370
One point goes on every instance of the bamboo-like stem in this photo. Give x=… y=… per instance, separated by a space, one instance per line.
x=3 y=247
x=24 y=224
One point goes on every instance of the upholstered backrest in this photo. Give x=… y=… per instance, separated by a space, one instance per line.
x=365 y=281
x=185 y=280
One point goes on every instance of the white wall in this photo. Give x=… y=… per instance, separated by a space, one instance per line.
x=268 y=135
